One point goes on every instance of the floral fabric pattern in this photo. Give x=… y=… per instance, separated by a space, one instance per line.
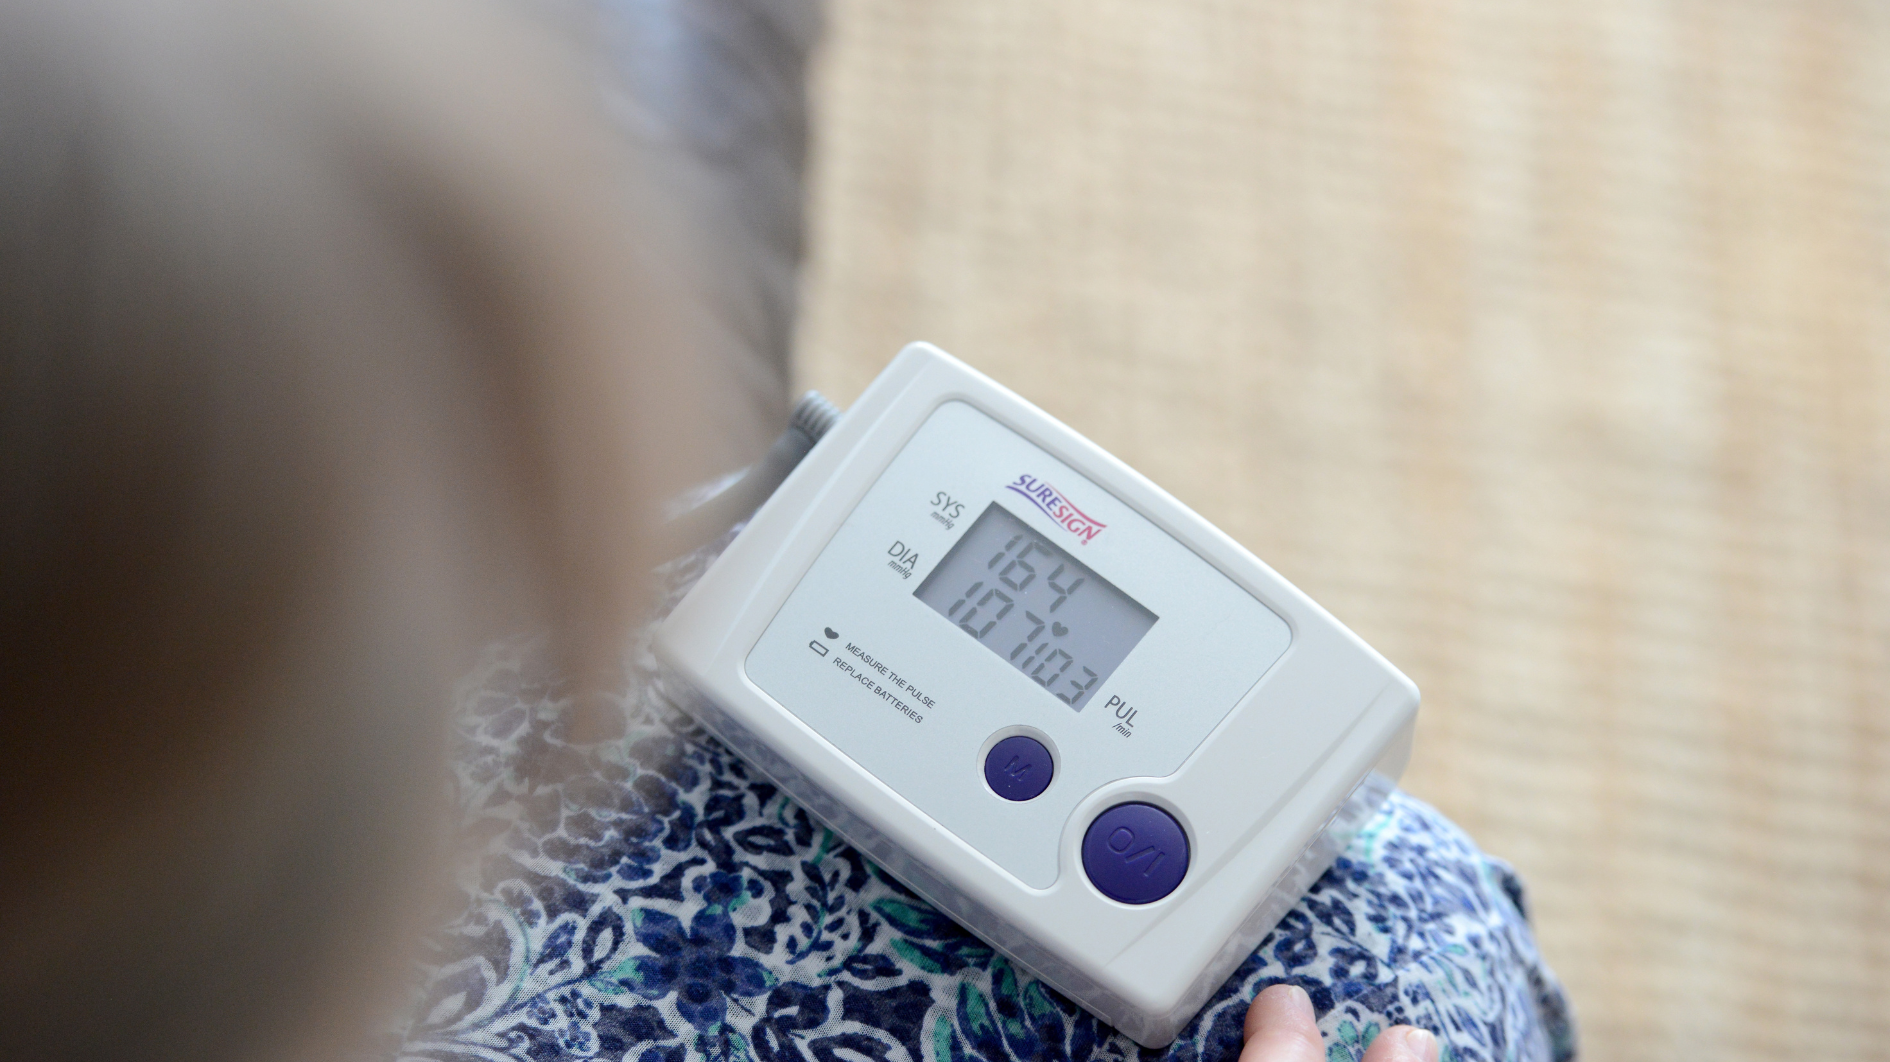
x=655 y=899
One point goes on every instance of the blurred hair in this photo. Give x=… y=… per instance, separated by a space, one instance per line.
x=331 y=342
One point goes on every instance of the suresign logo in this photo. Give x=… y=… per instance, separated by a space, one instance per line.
x=1058 y=508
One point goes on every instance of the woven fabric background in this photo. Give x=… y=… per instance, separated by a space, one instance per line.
x=1546 y=344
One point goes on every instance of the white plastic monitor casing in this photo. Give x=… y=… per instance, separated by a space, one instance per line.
x=1268 y=763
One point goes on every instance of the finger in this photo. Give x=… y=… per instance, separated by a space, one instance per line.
x=1280 y=1028
x=1403 y=1043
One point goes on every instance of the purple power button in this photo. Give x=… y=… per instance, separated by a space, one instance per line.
x=1135 y=853
x=1018 y=768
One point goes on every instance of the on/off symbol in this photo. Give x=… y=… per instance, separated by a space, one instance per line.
x=1135 y=853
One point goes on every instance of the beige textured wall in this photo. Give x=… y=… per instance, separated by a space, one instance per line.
x=1547 y=344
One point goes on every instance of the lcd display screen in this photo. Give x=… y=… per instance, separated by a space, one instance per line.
x=1033 y=604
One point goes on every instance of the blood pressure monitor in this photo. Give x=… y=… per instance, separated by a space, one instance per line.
x=1040 y=691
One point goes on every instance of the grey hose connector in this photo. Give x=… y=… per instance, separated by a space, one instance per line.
x=707 y=511
x=813 y=415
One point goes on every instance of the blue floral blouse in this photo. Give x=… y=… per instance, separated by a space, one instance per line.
x=654 y=899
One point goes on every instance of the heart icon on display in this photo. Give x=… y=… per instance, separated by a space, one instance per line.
x=1059 y=629
x=830 y=632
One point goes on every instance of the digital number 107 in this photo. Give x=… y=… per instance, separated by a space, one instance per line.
x=1051 y=664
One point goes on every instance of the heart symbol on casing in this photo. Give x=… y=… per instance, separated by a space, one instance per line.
x=830 y=632
x=1059 y=629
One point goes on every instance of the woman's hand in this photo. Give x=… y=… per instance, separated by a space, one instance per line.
x=1280 y=1028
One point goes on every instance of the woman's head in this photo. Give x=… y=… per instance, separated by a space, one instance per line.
x=330 y=343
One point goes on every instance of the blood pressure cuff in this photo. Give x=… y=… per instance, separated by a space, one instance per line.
x=653 y=898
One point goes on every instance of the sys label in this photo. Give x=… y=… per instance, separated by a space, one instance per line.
x=947 y=510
